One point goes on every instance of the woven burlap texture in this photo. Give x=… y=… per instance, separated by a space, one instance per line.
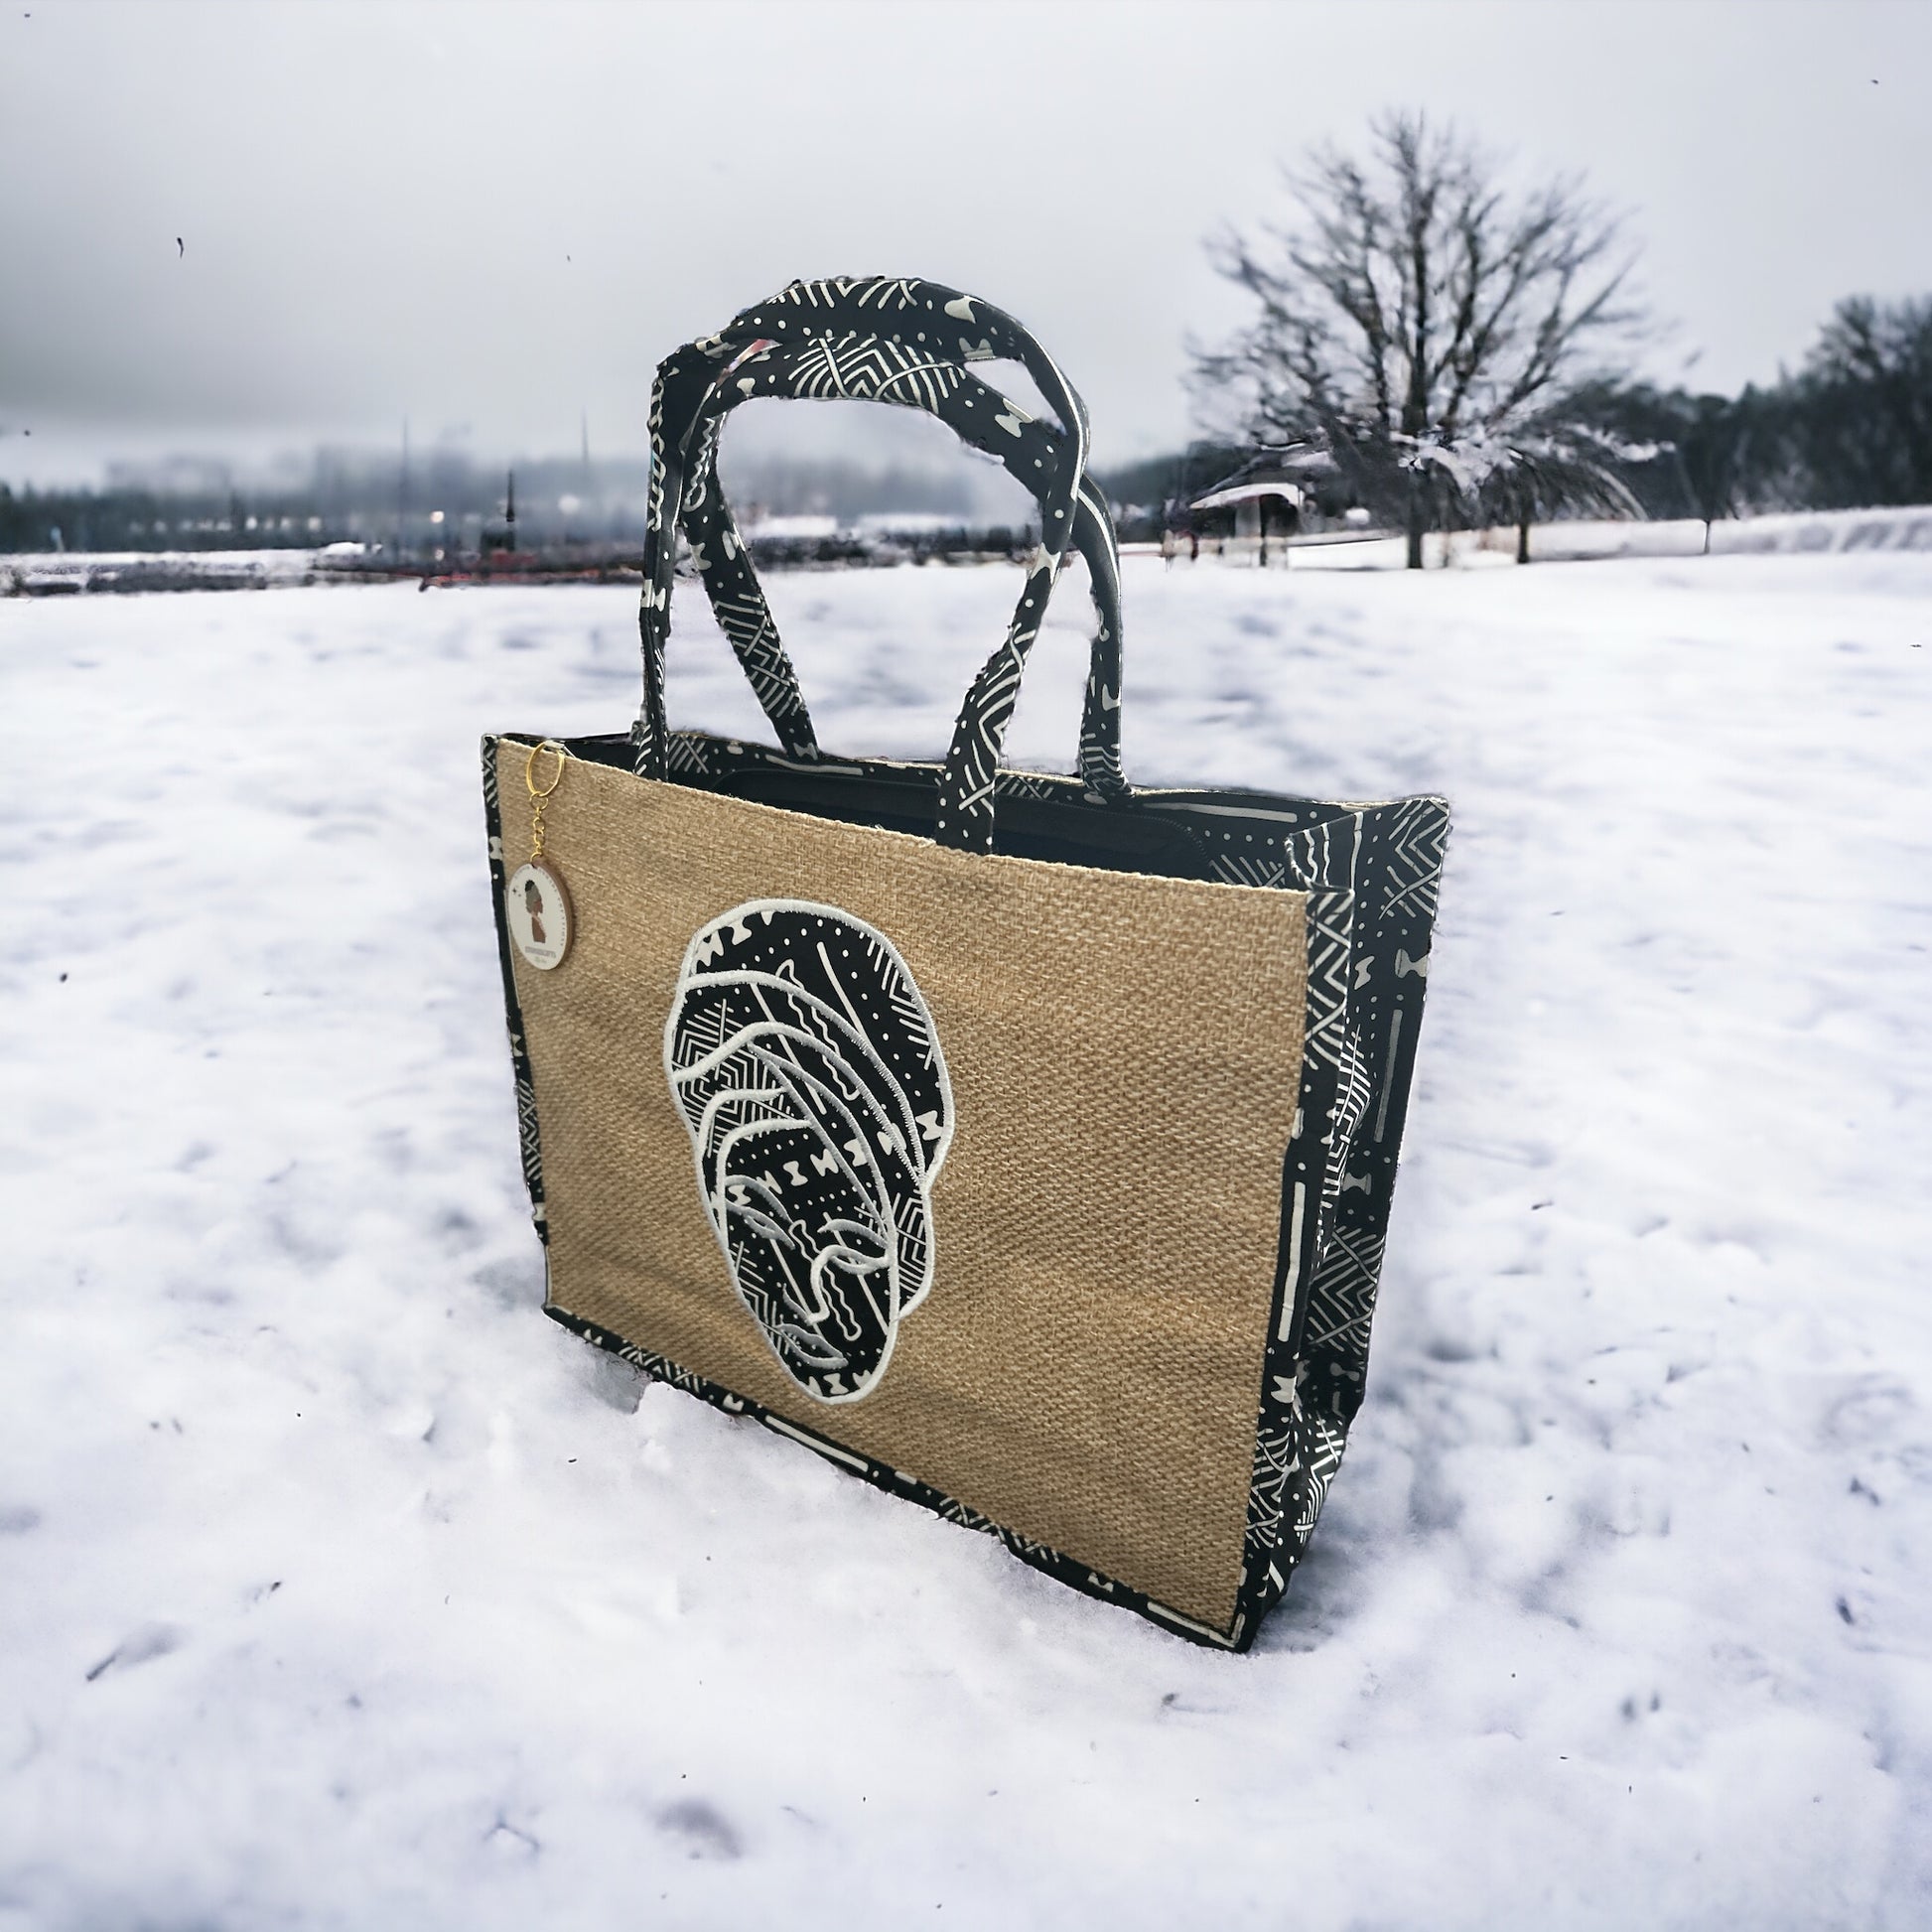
x=1124 y=1054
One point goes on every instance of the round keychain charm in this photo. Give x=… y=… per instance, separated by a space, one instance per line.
x=534 y=900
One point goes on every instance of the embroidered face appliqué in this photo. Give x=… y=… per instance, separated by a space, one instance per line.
x=805 y=1063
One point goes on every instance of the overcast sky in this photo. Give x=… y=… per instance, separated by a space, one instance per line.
x=493 y=220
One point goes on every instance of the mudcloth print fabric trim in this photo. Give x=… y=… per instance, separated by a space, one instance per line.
x=806 y=1066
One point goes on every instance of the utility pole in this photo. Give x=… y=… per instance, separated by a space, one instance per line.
x=402 y=496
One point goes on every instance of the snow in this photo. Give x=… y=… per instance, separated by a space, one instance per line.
x=37 y=573
x=794 y=527
x=338 y=1588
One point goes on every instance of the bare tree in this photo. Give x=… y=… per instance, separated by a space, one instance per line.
x=1434 y=337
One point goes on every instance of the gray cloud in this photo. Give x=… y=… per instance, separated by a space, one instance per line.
x=502 y=215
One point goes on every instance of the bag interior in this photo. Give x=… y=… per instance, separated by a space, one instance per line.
x=1142 y=832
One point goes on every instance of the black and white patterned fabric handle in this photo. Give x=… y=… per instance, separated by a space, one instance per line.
x=894 y=340
x=990 y=422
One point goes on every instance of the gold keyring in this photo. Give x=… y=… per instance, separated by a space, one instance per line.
x=530 y=767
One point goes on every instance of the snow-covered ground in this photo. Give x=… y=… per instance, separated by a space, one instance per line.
x=1584 y=539
x=339 y=1588
x=51 y=572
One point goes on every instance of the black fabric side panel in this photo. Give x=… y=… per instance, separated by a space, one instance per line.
x=1284 y=1492
x=1401 y=867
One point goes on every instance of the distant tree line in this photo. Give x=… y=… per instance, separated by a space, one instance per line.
x=1850 y=430
x=439 y=501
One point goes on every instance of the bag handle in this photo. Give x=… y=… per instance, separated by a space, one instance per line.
x=883 y=338
x=738 y=599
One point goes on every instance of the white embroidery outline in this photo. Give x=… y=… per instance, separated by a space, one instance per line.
x=881 y=1110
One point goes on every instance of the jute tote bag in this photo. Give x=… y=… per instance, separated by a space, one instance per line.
x=1021 y=1142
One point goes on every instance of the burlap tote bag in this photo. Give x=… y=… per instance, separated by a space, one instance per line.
x=1021 y=1142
